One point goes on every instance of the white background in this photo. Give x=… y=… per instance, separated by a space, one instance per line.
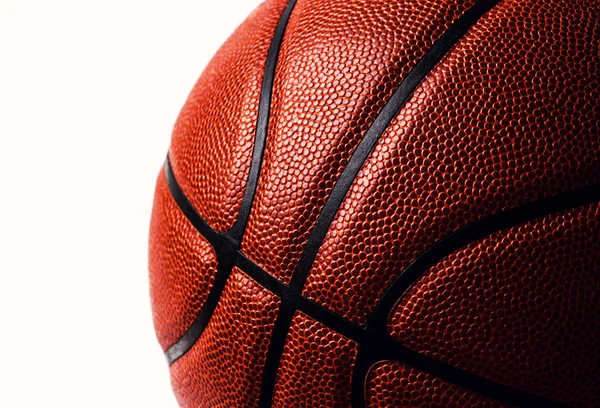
x=89 y=92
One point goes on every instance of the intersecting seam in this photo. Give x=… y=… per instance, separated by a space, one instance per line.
x=375 y=343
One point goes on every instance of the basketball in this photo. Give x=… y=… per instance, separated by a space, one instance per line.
x=377 y=203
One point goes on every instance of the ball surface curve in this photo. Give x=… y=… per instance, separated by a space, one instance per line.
x=377 y=203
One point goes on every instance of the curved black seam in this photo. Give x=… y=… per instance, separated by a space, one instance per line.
x=377 y=348
x=375 y=343
x=223 y=249
x=318 y=312
x=421 y=69
x=289 y=304
x=260 y=276
x=262 y=125
x=392 y=350
x=386 y=348
x=474 y=232
x=212 y=236
x=227 y=244
x=191 y=336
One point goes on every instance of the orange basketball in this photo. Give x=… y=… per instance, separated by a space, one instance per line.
x=387 y=203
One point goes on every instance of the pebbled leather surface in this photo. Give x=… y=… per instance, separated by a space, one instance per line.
x=391 y=384
x=511 y=115
x=212 y=141
x=182 y=267
x=224 y=367
x=339 y=63
x=521 y=307
x=316 y=367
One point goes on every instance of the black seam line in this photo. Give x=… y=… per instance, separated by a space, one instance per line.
x=474 y=232
x=391 y=350
x=293 y=301
x=191 y=336
x=261 y=277
x=223 y=247
x=377 y=348
x=375 y=343
x=318 y=312
x=431 y=58
x=421 y=69
x=226 y=245
x=262 y=125
x=276 y=346
x=212 y=236
x=228 y=258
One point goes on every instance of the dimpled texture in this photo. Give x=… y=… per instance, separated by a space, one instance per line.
x=213 y=137
x=339 y=63
x=224 y=368
x=391 y=384
x=315 y=368
x=509 y=116
x=521 y=307
x=182 y=267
